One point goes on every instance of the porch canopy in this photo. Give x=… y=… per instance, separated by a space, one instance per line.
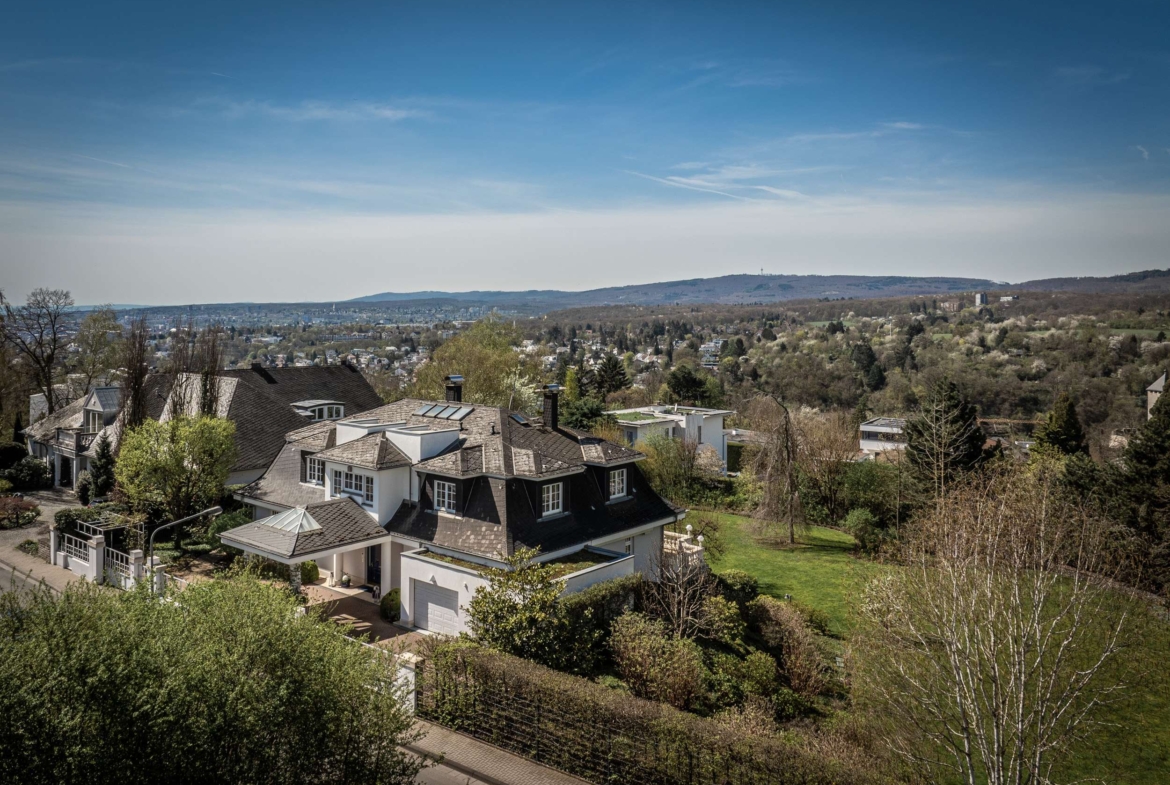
x=308 y=533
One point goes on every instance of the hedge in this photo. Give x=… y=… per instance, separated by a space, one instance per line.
x=609 y=736
x=590 y=614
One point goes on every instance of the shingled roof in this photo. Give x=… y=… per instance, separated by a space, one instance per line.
x=373 y=451
x=307 y=530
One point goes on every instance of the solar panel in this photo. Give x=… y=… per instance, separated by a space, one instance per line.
x=420 y=411
x=432 y=411
x=446 y=412
x=459 y=415
x=519 y=419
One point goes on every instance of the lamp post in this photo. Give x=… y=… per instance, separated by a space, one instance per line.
x=209 y=511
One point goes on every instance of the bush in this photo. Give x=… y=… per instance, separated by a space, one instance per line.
x=11 y=453
x=67 y=518
x=654 y=665
x=390 y=605
x=721 y=622
x=31 y=547
x=865 y=528
x=589 y=616
x=16 y=513
x=815 y=618
x=604 y=734
x=29 y=474
x=5 y=486
x=84 y=488
x=738 y=586
x=759 y=674
x=783 y=629
x=310 y=572
x=221 y=523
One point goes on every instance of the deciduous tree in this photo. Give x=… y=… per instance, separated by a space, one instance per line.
x=36 y=331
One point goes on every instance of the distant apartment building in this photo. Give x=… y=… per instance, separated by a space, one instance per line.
x=1007 y=298
x=881 y=434
x=980 y=299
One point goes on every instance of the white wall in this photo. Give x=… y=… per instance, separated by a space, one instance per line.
x=647 y=548
x=448 y=576
x=391 y=487
x=619 y=568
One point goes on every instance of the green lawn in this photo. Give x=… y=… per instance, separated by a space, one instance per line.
x=819 y=571
x=1134 y=748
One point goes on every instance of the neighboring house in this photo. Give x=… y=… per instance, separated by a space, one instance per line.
x=693 y=423
x=739 y=439
x=422 y=496
x=264 y=404
x=881 y=434
x=1153 y=393
x=267 y=403
x=67 y=439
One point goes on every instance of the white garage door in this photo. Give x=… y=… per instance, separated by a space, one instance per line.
x=436 y=609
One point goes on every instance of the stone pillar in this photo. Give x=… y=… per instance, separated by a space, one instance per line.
x=407 y=680
x=54 y=546
x=136 y=566
x=294 y=578
x=386 y=582
x=158 y=576
x=56 y=468
x=97 y=554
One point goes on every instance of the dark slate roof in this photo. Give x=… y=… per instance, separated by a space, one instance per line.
x=373 y=451
x=106 y=399
x=492 y=442
x=70 y=416
x=341 y=383
x=281 y=484
x=342 y=523
x=498 y=516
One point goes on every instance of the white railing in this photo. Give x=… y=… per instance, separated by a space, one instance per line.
x=117 y=561
x=178 y=583
x=76 y=548
x=683 y=546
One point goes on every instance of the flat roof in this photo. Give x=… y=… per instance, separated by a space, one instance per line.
x=885 y=422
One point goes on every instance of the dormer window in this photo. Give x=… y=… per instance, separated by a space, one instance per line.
x=318 y=413
x=445 y=496
x=315 y=471
x=617 y=483
x=551 y=499
x=93 y=421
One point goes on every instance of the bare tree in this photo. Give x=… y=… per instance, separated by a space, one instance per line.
x=997 y=642
x=180 y=364
x=136 y=366
x=208 y=361
x=826 y=443
x=97 y=345
x=36 y=332
x=682 y=584
x=775 y=463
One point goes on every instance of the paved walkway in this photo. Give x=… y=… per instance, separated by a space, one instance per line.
x=28 y=567
x=468 y=760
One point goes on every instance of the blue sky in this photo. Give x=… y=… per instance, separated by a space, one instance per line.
x=166 y=152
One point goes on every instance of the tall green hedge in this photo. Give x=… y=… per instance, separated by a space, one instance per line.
x=590 y=615
x=609 y=736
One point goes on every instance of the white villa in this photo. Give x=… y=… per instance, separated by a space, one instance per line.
x=693 y=423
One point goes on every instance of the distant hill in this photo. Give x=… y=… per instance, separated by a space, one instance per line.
x=1144 y=282
x=729 y=289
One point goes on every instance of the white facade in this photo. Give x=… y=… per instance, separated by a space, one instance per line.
x=881 y=434
x=693 y=423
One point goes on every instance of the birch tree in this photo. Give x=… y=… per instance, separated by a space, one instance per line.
x=993 y=647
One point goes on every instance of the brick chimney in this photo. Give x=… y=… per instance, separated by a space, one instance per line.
x=454 y=384
x=552 y=394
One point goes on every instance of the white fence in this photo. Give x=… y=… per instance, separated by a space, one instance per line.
x=119 y=569
x=76 y=548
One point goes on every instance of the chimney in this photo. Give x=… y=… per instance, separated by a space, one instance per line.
x=552 y=393
x=257 y=366
x=454 y=384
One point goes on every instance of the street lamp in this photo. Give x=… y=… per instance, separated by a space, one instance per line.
x=209 y=511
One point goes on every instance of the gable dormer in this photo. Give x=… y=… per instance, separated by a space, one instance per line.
x=100 y=408
x=319 y=410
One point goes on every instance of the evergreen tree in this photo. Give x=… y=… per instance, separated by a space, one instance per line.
x=1061 y=430
x=862 y=356
x=875 y=378
x=572 y=386
x=686 y=385
x=944 y=439
x=1144 y=485
x=101 y=468
x=611 y=376
x=17 y=427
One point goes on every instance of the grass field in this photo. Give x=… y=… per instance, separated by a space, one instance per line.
x=1134 y=749
x=819 y=571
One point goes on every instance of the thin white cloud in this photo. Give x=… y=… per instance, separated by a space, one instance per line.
x=308 y=111
x=904 y=126
x=1145 y=153
x=680 y=182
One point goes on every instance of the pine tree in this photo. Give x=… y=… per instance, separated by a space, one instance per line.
x=944 y=439
x=875 y=379
x=1062 y=430
x=611 y=376
x=17 y=427
x=101 y=468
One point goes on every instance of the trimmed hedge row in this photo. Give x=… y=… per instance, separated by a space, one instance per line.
x=608 y=736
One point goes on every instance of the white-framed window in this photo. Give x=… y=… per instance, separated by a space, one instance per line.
x=337 y=473
x=551 y=498
x=357 y=484
x=617 y=483
x=315 y=471
x=369 y=495
x=335 y=412
x=445 y=496
x=629 y=545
